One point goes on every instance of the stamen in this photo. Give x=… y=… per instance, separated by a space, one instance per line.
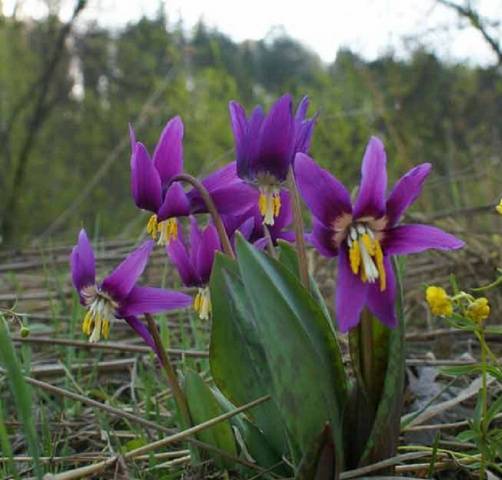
x=269 y=204
x=152 y=227
x=97 y=319
x=202 y=303
x=365 y=255
x=168 y=231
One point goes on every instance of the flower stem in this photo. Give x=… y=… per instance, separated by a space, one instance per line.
x=172 y=378
x=299 y=229
x=211 y=207
x=484 y=400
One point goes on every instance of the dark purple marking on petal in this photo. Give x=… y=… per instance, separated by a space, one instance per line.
x=325 y=196
x=145 y=181
x=405 y=192
x=351 y=294
x=168 y=154
x=383 y=304
x=406 y=239
x=82 y=263
x=371 y=197
x=121 y=281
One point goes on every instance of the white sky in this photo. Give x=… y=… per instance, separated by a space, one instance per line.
x=369 y=27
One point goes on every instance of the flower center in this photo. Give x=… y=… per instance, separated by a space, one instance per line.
x=202 y=303
x=365 y=254
x=100 y=311
x=164 y=231
x=269 y=203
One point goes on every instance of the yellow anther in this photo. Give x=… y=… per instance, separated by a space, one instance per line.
x=380 y=265
x=499 y=207
x=355 y=257
x=105 y=329
x=262 y=204
x=479 y=310
x=277 y=204
x=88 y=323
x=168 y=230
x=152 y=227
x=368 y=243
x=439 y=301
x=202 y=303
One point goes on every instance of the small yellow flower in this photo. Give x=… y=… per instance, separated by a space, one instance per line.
x=479 y=310
x=499 y=207
x=439 y=301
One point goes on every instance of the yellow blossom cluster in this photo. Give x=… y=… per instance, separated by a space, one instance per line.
x=439 y=302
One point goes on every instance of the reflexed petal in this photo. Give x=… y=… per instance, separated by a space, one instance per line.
x=153 y=300
x=321 y=239
x=141 y=329
x=175 y=203
x=351 y=294
x=82 y=262
x=235 y=199
x=371 y=197
x=121 y=281
x=209 y=244
x=240 y=130
x=145 y=181
x=178 y=255
x=195 y=240
x=325 y=196
x=406 y=191
x=406 y=239
x=303 y=136
x=277 y=136
x=301 y=111
x=168 y=154
x=255 y=122
x=383 y=304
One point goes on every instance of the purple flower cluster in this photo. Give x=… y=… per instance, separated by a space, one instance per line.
x=250 y=196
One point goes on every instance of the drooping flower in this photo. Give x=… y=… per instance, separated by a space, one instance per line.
x=439 y=301
x=365 y=235
x=252 y=228
x=266 y=146
x=195 y=261
x=118 y=296
x=151 y=181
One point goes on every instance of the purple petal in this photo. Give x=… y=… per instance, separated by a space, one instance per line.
x=178 y=255
x=277 y=136
x=140 y=328
x=321 y=239
x=239 y=124
x=407 y=239
x=168 y=155
x=351 y=294
x=303 y=136
x=145 y=181
x=406 y=191
x=371 y=198
x=195 y=240
x=175 y=203
x=383 y=304
x=153 y=300
x=209 y=244
x=235 y=199
x=121 y=281
x=82 y=262
x=301 y=111
x=325 y=196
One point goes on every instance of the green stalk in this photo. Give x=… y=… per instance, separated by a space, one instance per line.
x=484 y=400
x=172 y=378
x=299 y=230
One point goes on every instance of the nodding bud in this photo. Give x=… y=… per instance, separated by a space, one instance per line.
x=24 y=332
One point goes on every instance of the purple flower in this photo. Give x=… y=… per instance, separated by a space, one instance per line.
x=194 y=262
x=251 y=227
x=266 y=146
x=366 y=234
x=151 y=181
x=118 y=296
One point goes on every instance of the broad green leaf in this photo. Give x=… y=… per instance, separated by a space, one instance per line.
x=22 y=394
x=300 y=347
x=203 y=406
x=238 y=363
